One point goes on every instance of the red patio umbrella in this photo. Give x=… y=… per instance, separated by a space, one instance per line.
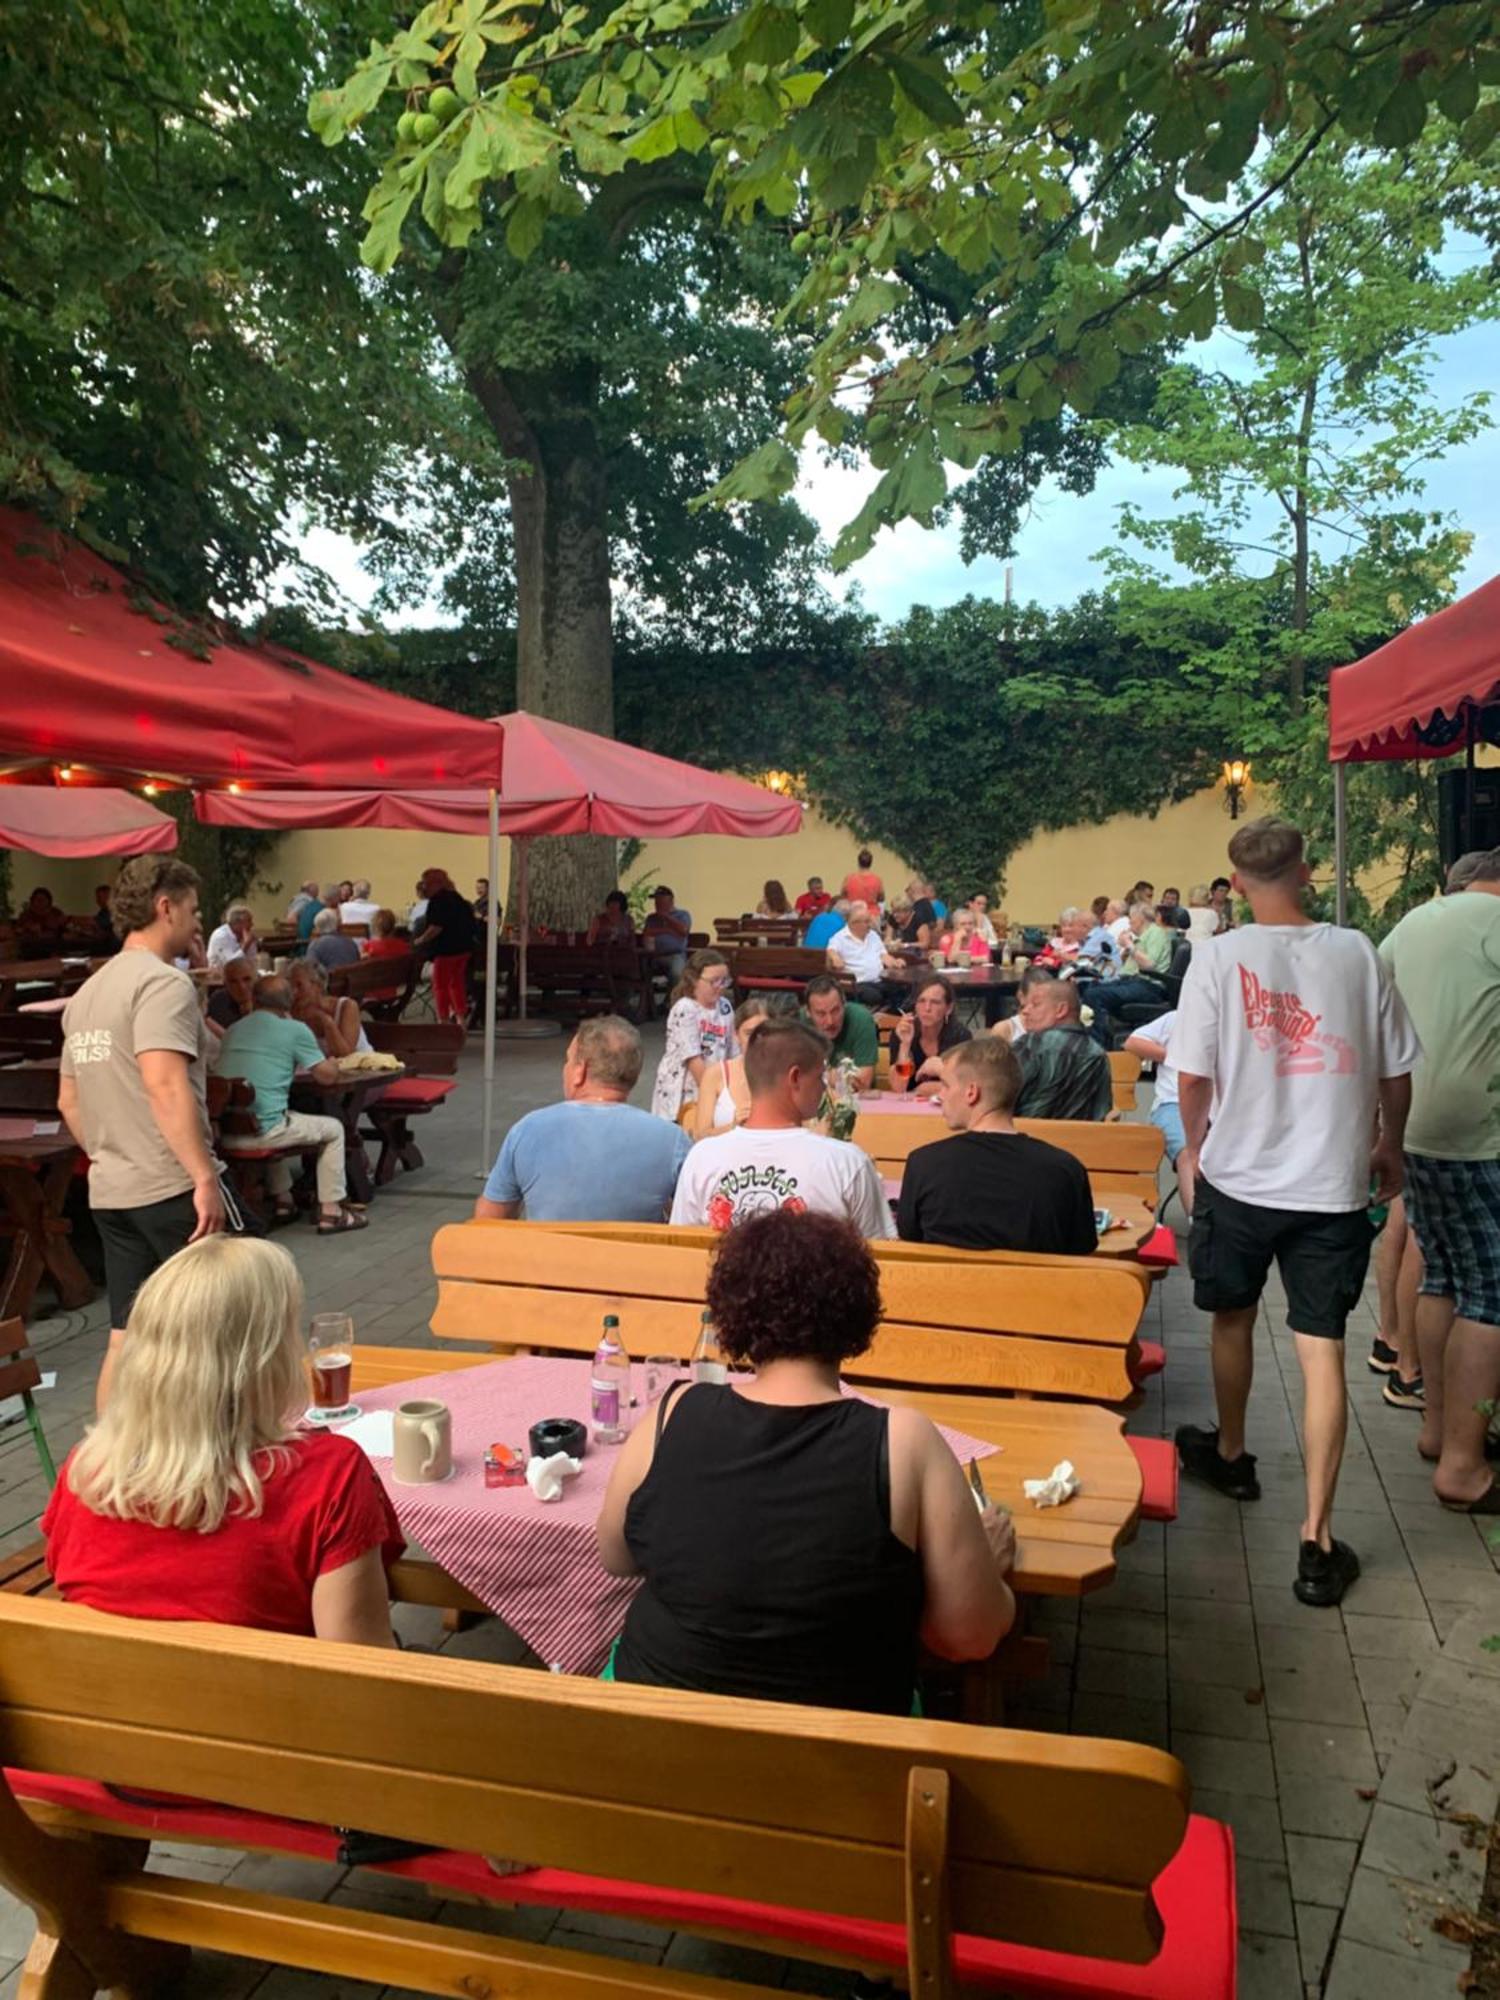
x=1431 y=691
x=558 y=780
x=74 y=825
x=91 y=677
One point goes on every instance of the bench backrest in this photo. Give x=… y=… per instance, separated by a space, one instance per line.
x=373 y=981
x=1119 y=1158
x=1042 y=1840
x=1055 y=1326
x=1124 y=1075
x=23 y=1088
x=751 y=963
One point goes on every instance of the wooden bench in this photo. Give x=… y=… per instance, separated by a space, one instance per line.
x=961 y=1859
x=1052 y=1326
x=772 y=968
x=35 y=1035
x=1120 y=1158
x=429 y=1052
x=382 y=986
x=30 y=1087
x=580 y=979
x=1125 y=1074
x=231 y=1111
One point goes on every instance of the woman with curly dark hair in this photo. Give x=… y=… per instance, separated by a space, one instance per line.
x=797 y=1544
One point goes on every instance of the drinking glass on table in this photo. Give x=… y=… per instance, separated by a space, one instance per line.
x=661 y=1371
x=331 y=1345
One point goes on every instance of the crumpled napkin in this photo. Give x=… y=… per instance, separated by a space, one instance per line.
x=545 y=1476
x=1060 y=1484
x=363 y=1059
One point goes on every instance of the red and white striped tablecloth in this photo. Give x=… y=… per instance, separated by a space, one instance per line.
x=535 y=1564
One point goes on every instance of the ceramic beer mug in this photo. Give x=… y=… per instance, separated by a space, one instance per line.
x=423 y=1436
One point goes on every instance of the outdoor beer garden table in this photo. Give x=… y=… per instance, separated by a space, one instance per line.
x=972 y=984
x=36 y=1171
x=535 y=1564
x=346 y=1100
x=16 y=972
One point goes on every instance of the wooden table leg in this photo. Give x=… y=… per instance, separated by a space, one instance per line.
x=34 y=1204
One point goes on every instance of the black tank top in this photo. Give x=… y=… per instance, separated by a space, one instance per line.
x=764 y=1537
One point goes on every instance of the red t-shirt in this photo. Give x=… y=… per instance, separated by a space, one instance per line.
x=867 y=888
x=387 y=947
x=323 y=1509
x=809 y=905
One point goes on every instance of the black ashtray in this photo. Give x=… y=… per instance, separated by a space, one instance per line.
x=558 y=1434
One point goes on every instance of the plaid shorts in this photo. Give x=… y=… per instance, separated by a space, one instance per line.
x=1454 y=1208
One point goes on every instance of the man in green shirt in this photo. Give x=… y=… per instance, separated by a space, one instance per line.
x=1145 y=960
x=1445 y=959
x=268 y=1049
x=849 y=1027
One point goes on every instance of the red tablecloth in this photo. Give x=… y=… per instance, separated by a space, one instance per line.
x=536 y=1565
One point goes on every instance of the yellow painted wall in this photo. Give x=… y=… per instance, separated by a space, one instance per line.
x=715 y=877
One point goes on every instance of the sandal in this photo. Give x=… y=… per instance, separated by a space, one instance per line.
x=1487 y=1503
x=345 y=1223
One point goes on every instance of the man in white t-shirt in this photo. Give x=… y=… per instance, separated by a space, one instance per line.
x=857 y=950
x=1290 y=1034
x=359 y=909
x=234 y=938
x=770 y=1161
x=1152 y=1044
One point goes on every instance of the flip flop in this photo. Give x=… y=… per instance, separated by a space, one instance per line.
x=1487 y=1503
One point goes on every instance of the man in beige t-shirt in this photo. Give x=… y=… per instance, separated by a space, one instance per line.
x=132 y=1088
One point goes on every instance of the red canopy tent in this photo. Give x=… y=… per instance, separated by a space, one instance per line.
x=74 y=825
x=90 y=678
x=1432 y=691
x=557 y=780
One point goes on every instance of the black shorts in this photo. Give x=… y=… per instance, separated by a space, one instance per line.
x=1322 y=1259
x=136 y=1241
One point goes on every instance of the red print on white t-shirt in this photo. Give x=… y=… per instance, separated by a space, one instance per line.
x=1281 y=1022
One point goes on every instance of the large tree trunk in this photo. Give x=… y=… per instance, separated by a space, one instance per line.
x=565 y=647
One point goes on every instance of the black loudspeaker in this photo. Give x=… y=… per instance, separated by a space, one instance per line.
x=1457 y=832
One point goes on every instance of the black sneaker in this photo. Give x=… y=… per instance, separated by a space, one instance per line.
x=1198 y=1449
x=1382 y=1357
x=1402 y=1394
x=1323 y=1575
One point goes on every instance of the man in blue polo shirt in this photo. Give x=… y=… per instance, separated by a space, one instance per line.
x=595 y=1157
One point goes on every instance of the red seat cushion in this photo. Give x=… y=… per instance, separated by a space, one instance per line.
x=414 y=1093
x=1159 y=1248
x=1151 y=1358
x=1194 y=1894
x=1157 y=1458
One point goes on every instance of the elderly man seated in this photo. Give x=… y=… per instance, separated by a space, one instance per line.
x=269 y=1049
x=234 y=938
x=858 y=951
x=1064 y=1072
x=230 y=1001
x=595 y=1157
x=329 y=948
x=1146 y=958
x=991 y=1187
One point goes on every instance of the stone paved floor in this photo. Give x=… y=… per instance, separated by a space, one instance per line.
x=1355 y=1752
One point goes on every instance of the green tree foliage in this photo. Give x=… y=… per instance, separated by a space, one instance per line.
x=1087 y=151
x=1304 y=440
x=190 y=359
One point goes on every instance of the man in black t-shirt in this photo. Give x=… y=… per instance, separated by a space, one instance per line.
x=991 y=1187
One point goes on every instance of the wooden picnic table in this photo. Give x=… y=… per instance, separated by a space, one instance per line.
x=16 y=972
x=345 y=1100
x=35 y=1175
x=1065 y=1551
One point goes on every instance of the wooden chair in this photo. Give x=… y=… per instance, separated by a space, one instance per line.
x=961 y=1859
x=1120 y=1158
x=1049 y=1326
x=429 y=1051
x=21 y=1376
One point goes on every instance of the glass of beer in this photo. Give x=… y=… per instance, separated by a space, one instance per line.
x=331 y=1345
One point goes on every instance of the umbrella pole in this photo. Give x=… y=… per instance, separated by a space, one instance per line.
x=491 y=961
x=522 y=1029
x=1341 y=843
